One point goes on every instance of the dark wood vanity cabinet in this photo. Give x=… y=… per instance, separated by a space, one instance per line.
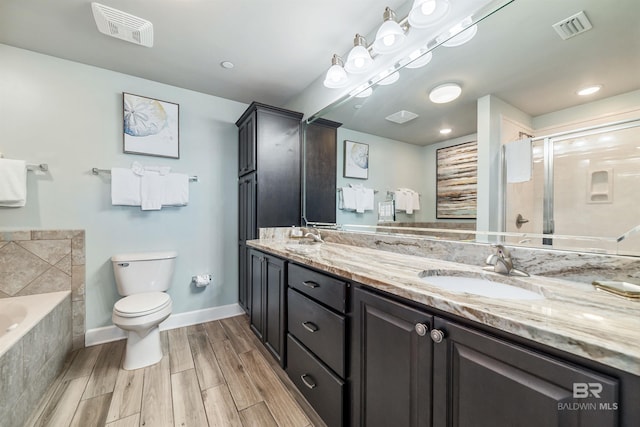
x=267 y=319
x=480 y=380
x=413 y=369
x=391 y=363
x=316 y=341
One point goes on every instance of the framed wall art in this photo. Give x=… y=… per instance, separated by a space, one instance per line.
x=356 y=160
x=457 y=181
x=151 y=126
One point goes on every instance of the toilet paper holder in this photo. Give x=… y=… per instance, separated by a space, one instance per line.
x=201 y=280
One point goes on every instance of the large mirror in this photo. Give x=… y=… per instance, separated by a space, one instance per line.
x=519 y=78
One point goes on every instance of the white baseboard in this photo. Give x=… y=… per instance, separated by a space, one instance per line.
x=113 y=333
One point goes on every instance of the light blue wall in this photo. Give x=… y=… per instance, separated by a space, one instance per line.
x=392 y=164
x=69 y=115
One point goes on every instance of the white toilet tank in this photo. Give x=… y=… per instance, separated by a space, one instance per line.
x=143 y=272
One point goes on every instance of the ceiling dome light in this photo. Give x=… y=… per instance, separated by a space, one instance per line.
x=418 y=61
x=459 y=34
x=336 y=75
x=388 y=79
x=446 y=131
x=425 y=13
x=589 y=90
x=445 y=93
x=359 y=59
x=390 y=35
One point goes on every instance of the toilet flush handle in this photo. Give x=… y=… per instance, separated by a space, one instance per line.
x=123 y=264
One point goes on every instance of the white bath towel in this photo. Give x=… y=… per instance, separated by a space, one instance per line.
x=13 y=183
x=152 y=186
x=125 y=187
x=176 y=190
x=348 y=198
x=518 y=160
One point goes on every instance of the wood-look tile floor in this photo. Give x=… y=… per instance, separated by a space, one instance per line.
x=212 y=374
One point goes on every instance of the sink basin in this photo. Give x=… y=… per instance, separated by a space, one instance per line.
x=482 y=285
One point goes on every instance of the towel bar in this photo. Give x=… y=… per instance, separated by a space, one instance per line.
x=97 y=171
x=42 y=166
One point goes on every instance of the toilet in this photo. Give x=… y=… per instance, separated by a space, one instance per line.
x=142 y=279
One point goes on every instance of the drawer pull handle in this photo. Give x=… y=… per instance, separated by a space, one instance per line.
x=437 y=335
x=311 y=285
x=311 y=384
x=309 y=326
x=421 y=329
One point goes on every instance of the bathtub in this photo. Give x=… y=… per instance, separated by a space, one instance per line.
x=35 y=339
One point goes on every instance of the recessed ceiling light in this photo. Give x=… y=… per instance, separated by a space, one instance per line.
x=445 y=93
x=446 y=131
x=590 y=90
x=357 y=106
x=227 y=64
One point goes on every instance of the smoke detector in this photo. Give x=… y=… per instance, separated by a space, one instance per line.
x=121 y=25
x=402 y=116
x=572 y=26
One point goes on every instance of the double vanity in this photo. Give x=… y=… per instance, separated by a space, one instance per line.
x=377 y=338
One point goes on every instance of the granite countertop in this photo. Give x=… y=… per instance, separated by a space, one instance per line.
x=572 y=317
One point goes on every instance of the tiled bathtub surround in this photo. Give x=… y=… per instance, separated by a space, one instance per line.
x=29 y=367
x=42 y=261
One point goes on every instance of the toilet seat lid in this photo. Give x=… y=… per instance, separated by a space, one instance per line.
x=142 y=304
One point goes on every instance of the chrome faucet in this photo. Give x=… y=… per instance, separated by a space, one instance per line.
x=315 y=237
x=500 y=262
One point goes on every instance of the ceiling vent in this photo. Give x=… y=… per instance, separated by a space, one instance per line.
x=122 y=25
x=572 y=26
x=402 y=116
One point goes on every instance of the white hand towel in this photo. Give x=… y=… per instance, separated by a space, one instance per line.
x=176 y=190
x=408 y=208
x=151 y=191
x=125 y=187
x=349 y=198
x=518 y=159
x=401 y=200
x=13 y=183
x=415 y=200
x=359 y=200
x=368 y=199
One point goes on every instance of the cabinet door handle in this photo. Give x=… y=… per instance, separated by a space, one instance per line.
x=309 y=326
x=421 y=329
x=437 y=335
x=311 y=384
x=310 y=284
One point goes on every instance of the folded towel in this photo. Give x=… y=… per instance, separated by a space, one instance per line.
x=125 y=187
x=151 y=191
x=518 y=159
x=13 y=183
x=176 y=190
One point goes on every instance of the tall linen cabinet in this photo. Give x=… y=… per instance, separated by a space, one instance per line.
x=269 y=179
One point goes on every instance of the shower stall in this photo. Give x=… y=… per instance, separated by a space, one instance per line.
x=584 y=191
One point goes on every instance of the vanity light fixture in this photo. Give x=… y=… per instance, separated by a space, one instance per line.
x=446 y=131
x=390 y=78
x=390 y=35
x=359 y=59
x=336 y=75
x=418 y=61
x=444 y=93
x=590 y=90
x=459 y=34
x=425 y=13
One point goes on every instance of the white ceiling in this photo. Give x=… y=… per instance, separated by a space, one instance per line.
x=278 y=46
x=281 y=47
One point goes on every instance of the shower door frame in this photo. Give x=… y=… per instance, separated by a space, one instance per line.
x=548 y=224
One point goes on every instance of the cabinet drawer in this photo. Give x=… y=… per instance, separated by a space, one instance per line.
x=318 y=286
x=318 y=328
x=323 y=390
